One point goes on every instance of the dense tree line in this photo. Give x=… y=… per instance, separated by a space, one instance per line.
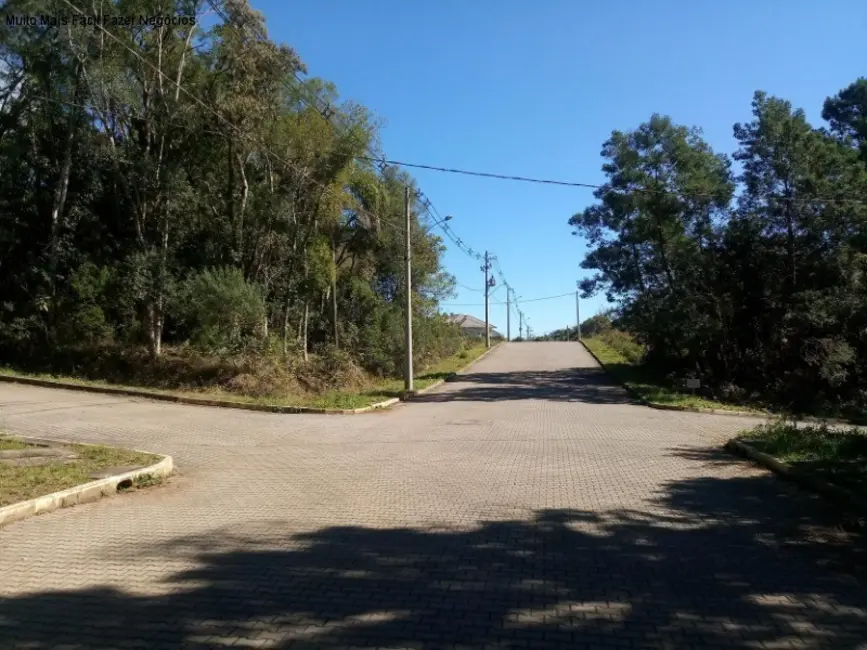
x=748 y=270
x=174 y=184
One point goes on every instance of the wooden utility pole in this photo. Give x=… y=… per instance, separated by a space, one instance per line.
x=489 y=282
x=508 y=314
x=578 y=307
x=407 y=381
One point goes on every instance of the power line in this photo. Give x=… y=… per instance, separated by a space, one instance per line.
x=199 y=101
x=596 y=186
x=467 y=172
x=429 y=206
x=381 y=161
x=196 y=99
x=326 y=113
x=360 y=210
x=481 y=304
x=463 y=286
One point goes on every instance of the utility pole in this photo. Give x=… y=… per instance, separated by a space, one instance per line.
x=489 y=282
x=578 y=307
x=407 y=382
x=521 y=325
x=508 y=314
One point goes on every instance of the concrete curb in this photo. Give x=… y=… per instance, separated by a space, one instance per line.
x=195 y=401
x=84 y=493
x=833 y=493
x=450 y=377
x=670 y=407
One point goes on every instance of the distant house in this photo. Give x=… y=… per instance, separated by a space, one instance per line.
x=472 y=326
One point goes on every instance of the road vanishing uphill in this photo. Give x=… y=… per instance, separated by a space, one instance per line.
x=529 y=504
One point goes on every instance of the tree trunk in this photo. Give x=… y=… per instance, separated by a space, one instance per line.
x=334 y=293
x=155 y=329
x=230 y=198
x=245 y=193
x=286 y=328
x=158 y=331
x=304 y=331
x=57 y=214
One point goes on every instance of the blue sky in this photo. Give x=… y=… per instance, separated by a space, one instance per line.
x=534 y=88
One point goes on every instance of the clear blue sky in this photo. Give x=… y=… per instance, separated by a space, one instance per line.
x=534 y=88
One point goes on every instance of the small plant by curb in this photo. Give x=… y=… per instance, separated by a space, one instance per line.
x=828 y=462
x=141 y=482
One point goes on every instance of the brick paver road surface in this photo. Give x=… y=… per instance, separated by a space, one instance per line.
x=528 y=505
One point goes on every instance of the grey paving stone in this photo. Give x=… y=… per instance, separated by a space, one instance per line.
x=528 y=504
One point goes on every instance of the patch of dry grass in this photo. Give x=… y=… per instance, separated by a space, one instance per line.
x=267 y=381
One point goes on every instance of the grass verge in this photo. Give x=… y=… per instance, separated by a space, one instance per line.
x=838 y=457
x=376 y=391
x=650 y=388
x=20 y=483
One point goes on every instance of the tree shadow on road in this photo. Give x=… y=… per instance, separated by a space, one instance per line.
x=700 y=565
x=589 y=385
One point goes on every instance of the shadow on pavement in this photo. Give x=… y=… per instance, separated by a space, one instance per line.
x=590 y=385
x=701 y=566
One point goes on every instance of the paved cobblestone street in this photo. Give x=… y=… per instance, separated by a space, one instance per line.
x=528 y=505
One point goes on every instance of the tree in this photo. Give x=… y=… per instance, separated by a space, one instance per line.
x=135 y=162
x=654 y=234
x=764 y=298
x=847 y=114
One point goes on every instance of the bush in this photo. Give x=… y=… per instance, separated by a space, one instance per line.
x=595 y=325
x=435 y=338
x=88 y=293
x=624 y=343
x=223 y=313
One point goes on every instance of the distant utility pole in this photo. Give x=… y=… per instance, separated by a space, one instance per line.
x=508 y=314
x=578 y=307
x=407 y=381
x=489 y=282
x=521 y=325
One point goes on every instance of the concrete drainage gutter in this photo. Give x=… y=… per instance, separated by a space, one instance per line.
x=84 y=493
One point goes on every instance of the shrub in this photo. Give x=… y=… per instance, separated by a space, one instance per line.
x=595 y=325
x=88 y=295
x=223 y=312
x=624 y=343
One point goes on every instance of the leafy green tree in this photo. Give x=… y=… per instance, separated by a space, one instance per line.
x=653 y=234
x=763 y=297
x=222 y=311
x=847 y=114
x=137 y=162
